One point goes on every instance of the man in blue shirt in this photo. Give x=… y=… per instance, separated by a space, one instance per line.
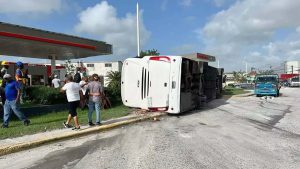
x=12 y=93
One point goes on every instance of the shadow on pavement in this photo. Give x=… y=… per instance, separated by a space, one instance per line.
x=206 y=106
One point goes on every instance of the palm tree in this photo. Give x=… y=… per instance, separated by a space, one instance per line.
x=152 y=52
x=239 y=76
x=114 y=80
x=114 y=86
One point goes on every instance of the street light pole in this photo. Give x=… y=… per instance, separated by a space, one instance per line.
x=138 y=28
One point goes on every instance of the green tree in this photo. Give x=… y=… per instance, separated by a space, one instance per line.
x=239 y=76
x=70 y=67
x=114 y=85
x=152 y=52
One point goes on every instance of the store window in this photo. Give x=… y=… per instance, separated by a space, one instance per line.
x=107 y=64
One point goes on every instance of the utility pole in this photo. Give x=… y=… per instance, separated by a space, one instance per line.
x=218 y=63
x=138 y=28
x=292 y=69
x=246 y=67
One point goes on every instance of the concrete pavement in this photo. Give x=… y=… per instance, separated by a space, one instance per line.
x=12 y=145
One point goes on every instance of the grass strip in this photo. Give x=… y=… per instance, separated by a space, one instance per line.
x=54 y=120
x=234 y=91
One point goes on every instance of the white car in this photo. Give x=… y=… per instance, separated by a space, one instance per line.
x=295 y=82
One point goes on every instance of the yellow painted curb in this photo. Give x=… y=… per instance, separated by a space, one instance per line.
x=23 y=146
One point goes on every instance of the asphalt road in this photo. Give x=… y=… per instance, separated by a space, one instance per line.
x=246 y=132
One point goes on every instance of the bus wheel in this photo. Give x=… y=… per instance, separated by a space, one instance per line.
x=257 y=95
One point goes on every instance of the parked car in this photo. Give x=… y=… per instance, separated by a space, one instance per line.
x=295 y=82
x=246 y=86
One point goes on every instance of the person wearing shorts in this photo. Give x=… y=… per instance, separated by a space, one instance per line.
x=73 y=92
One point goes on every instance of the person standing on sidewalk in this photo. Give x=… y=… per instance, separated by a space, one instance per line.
x=20 y=78
x=77 y=76
x=83 y=84
x=4 y=71
x=73 y=92
x=13 y=94
x=95 y=93
x=56 y=82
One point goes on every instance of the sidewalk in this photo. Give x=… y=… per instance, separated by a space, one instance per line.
x=12 y=145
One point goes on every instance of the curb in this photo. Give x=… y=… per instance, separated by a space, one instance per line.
x=24 y=146
x=244 y=95
x=239 y=95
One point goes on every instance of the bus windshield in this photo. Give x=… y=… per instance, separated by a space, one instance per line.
x=266 y=79
x=296 y=79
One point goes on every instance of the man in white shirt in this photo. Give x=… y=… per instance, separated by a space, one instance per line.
x=73 y=92
x=56 y=82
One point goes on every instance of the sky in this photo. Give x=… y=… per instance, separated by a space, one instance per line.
x=261 y=33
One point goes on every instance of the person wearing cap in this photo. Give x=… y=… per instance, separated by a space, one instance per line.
x=21 y=79
x=12 y=93
x=56 y=82
x=4 y=71
x=95 y=93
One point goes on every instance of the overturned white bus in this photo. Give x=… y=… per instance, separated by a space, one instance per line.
x=170 y=83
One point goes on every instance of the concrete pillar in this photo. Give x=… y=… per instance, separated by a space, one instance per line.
x=53 y=63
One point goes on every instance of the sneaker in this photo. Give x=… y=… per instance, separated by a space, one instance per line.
x=98 y=124
x=4 y=126
x=76 y=128
x=67 y=125
x=26 y=122
x=91 y=124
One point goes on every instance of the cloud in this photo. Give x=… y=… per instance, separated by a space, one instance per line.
x=250 y=26
x=298 y=29
x=102 y=20
x=222 y=3
x=185 y=3
x=30 y=6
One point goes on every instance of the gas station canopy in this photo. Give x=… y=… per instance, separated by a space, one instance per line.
x=200 y=57
x=34 y=43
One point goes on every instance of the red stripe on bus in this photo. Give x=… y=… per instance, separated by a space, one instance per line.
x=53 y=41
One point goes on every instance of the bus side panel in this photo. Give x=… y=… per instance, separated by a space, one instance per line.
x=175 y=79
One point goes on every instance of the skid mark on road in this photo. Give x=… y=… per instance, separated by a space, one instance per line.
x=264 y=126
x=69 y=157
